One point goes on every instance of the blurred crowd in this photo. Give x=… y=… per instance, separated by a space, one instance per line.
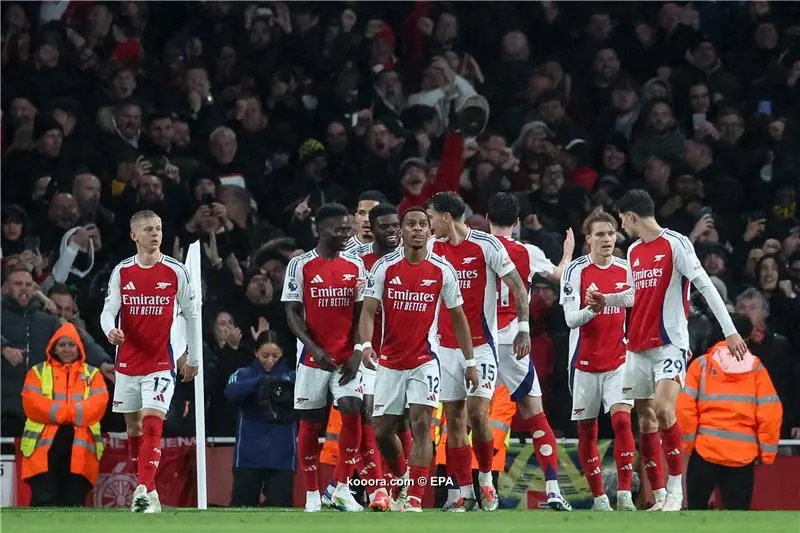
x=235 y=121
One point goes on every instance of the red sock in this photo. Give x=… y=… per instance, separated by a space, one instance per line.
x=589 y=456
x=370 y=458
x=349 y=442
x=672 y=445
x=462 y=465
x=624 y=449
x=134 y=445
x=150 y=452
x=544 y=444
x=651 y=459
x=484 y=453
x=417 y=490
x=405 y=441
x=308 y=450
x=450 y=468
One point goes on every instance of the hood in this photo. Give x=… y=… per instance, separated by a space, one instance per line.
x=479 y=101
x=721 y=355
x=67 y=330
x=519 y=143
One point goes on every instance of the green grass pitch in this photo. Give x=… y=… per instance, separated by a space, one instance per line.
x=293 y=520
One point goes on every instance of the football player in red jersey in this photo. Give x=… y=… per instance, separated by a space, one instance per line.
x=519 y=373
x=596 y=359
x=323 y=290
x=411 y=285
x=479 y=261
x=138 y=316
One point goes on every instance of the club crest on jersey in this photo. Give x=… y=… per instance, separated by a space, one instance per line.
x=427 y=282
x=468 y=260
x=162 y=285
x=658 y=258
x=620 y=285
x=348 y=277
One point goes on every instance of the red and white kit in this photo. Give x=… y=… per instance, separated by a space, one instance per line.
x=329 y=290
x=596 y=340
x=141 y=302
x=479 y=261
x=519 y=376
x=412 y=297
x=660 y=272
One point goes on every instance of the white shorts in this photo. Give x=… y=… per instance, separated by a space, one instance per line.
x=590 y=389
x=454 y=385
x=395 y=390
x=134 y=393
x=367 y=380
x=312 y=385
x=518 y=375
x=644 y=369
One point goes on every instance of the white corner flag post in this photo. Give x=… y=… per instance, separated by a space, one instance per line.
x=193 y=266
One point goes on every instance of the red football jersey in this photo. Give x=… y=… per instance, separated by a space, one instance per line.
x=328 y=290
x=599 y=344
x=661 y=272
x=141 y=302
x=411 y=297
x=478 y=261
x=529 y=260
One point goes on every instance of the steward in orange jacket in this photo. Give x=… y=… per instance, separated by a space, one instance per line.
x=64 y=399
x=730 y=416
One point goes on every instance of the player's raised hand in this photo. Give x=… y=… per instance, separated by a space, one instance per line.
x=350 y=368
x=116 y=336
x=189 y=372
x=369 y=359
x=323 y=360
x=471 y=377
x=569 y=242
x=737 y=346
x=522 y=344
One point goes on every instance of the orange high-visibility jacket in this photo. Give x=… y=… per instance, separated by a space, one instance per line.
x=500 y=415
x=330 y=448
x=729 y=411
x=56 y=394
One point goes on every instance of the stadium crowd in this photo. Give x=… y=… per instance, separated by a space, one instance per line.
x=235 y=121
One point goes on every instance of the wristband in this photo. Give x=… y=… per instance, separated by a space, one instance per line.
x=362 y=347
x=525 y=327
x=470 y=363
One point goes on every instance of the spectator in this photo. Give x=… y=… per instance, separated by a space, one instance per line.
x=265 y=458
x=62 y=446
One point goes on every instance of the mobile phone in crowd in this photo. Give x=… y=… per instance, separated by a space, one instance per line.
x=32 y=243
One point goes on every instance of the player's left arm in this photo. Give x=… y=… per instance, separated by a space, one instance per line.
x=688 y=265
x=187 y=303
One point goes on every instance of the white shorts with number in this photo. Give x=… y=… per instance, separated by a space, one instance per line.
x=395 y=390
x=454 y=385
x=367 y=380
x=592 y=390
x=312 y=385
x=134 y=393
x=644 y=369
x=518 y=375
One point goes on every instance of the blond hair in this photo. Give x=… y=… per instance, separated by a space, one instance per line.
x=142 y=215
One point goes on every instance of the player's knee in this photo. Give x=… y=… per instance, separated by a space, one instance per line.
x=349 y=405
x=648 y=423
x=420 y=427
x=665 y=414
